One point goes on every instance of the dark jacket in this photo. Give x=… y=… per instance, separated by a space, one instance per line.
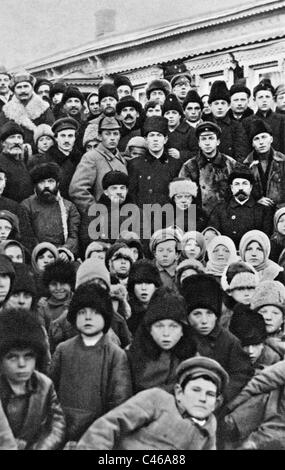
x=183 y=138
x=277 y=123
x=19 y=184
x=234 y=220
x=248 y=112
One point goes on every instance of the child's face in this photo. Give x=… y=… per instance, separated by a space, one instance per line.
x=165 y=253
x=99 y=255
x=254 y=351
x=44 y=259
x=121 y=266
x=209 y=235
x=220 y=254
x=192 y=249
x=5 y=229
x=199 y=397
x=243 y=294
x=166 y=333
x=5 y=283
x=254 y=254
x=22 y=300
x=143 y=291
x=89 y=322
x=202 y=320
x=135 y=253
x=183 y=201
x=135 y=152
x=15 y=253
x=281 y=225
x=18 y=365
x=273 y=317
x=44 y=143
x=59 y=290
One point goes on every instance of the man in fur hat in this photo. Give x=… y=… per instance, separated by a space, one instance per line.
x=158 y=89
x=193 y=105
x=42 y=89
x=241 y=212
x=5 y=92
x=53 y=218
x=239 y=109
x=26 y=108
x=129 y=112
x=123 y=85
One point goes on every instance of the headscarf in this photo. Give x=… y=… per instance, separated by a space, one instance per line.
x=40 y=247
x=268 y=270
x=198 y=237
x=280 y=239
x=217 y=269
x=5 y=244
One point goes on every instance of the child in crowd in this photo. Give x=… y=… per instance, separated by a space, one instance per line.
x=187 y=267
x=43 y=254
x=161 y=342
x=203 y=296
x=7 y=276
x=209 y=233
x=193 y=246
x=43 y=140
x=165 y=245
x=221 y=252
x=136 y=147
x=9 y=226
x=23 y=293
x=90 y=373
x=119 y=259
x=14 y=250
x=131 y=239
x=96 y=250
x=277 y=240
x=28 y=397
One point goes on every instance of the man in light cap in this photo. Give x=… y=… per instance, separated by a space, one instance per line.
x=26 y=108
x=239 y=109
x=86 y=185
x=5 y=92
x=155 y=419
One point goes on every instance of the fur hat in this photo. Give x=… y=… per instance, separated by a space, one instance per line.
x=19 y=329
x=241 y=171
x=12 y=218
x=120 y=80
x=141 y=271
x=107 y=90
x=108 y=123
x=188 y=264
x=91 y=296
x=90 y=270
x=40 y=82
x=203 y=291
x=171 y=103
x=116 y=251
x=192 y=97
x=22 y=76
x=219 y=91
x=155 y=124
x=7 y=267
x=57 y=87
x=268 y=293
x=64 y=123
x=181 y=77
x=152 y=104
x=208 y=126
x=248 y=326
x=72 y=92
x=182 y=185
x=162 y=235
x=128 y=101
x=97 y=246
x=165 y=305
x=264 y=84
x=60 y=271
x=132 y=243
x=90 y=134
x=136 y=141
x=10 y=128
x=158 y=84
x=258 y=126
x=232 y=270
x=114 y=177
x=239 y=88
x=24 y=281
x=41 y=130
x=43 y=171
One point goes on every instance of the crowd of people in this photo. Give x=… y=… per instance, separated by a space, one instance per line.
x=142 y=255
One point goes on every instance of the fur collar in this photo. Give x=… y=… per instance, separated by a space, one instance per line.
x=25 y=115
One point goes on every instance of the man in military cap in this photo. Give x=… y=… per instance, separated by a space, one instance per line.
x=210 y=169
x=5 y=92
x=155 y=419
x=86 y=185
x=181 y=84
x=129 y=112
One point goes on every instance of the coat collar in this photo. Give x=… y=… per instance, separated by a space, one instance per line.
x=163 y=159
x=252 y=160
x=261 y=115
x=25 y=115
x=249 y=203
x=107 y=154
x=218 y=160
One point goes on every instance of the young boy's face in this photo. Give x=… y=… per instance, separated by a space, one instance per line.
x=219 y=108
x=202 y=320
x=166 y=253
x=221 y=254
x=192 y=249
x=199 y=397
x=273 y=317
x=166 y=333
x=135 y=152
x=281 y=225
x=89 y=322
x=143 y=291
x=18 y=365
x=5 y=283
x=15 y=253
x=254 y=351
x=22 y=300
x=5 y=229
x=243 y=294
x=59 y=290
x=121 y=266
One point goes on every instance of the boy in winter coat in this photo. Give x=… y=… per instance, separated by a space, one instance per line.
x=28 y=397
x=90 y=372
x=156 y=420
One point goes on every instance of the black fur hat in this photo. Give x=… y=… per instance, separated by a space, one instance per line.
x=192 y=97
x=203 y=291
x=60 y=271
x=248 y=326
x=219 y=91
x=258 y=126
x=120 y=80
x=92 y=296
x=165 y=304
x=264 y=84
x=19 y=329
x=141 y=271
x=172 y=103
x=241 y=171
x=72 y=92
x=44 y=171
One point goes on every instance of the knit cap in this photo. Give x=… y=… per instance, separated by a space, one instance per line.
x=141 y=271
x=136 y=141
x=92 y=269
x=163 y=235
x=90 y=134
x=165 y=305
x=182 y=185
x=268 y=293
x=233 y=270
x=249 y=327
x=24 y=281
x=189 y=263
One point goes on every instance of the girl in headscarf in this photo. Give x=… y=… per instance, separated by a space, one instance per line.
x=209 y=233
x=221 y=252
x=14 y=250
x=254 y=248
x=193 y=246
x=278 y=238
x=43 y=254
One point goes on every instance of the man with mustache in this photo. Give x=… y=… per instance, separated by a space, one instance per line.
x=26 y=108
x=5 y=92
x=129 y=112
x=241 y=212
x=53 y=218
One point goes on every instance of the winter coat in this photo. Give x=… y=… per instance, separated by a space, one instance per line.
x=43 y=427
x=225 y=348
x=275 y=188
x=233 y=140
x=50 y=309
x=36 y=112
x=268 y=357
x=19 y=184
x=233 y=219
x=138 y=312
x=86 y=185
x=150 y=420
x=46 y=220
x=257 y=415
x=7 y=440
x=248 y=112
x=211 y=178
x=277 y=123
x=89 y=380
x=150 y=177
x=183 y=138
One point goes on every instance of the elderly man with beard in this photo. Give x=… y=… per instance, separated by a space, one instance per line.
x=26 y=108
x=129 y=112
x=242 y=212
x=53 y=218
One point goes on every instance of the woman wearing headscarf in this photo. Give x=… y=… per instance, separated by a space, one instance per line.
x=221 y=252
x=278 y=238
x=43 y=254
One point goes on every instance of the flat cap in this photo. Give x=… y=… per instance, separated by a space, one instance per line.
x=208 y=126
x=64 y=123
x=164 y=235
x=196 y=367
